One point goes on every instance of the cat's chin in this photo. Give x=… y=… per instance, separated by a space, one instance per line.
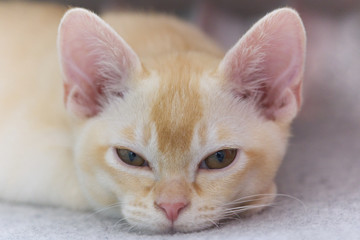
x=172 y=229
x=161 y=227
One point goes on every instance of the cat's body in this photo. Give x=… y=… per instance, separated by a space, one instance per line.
x=170 y=96
x=36 y=136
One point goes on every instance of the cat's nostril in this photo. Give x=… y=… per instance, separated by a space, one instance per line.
x=172 y=210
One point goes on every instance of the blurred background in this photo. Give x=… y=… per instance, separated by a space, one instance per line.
x=225 y=20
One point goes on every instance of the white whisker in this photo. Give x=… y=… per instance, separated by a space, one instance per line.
x=246 y=201
x=213 y=222
x=264 y=195
x=246 y=207
x=120 y=223
x=105 y=208
x=131 y=228
x=243 y=209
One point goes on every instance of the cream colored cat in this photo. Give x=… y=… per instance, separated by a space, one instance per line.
x=156 y=120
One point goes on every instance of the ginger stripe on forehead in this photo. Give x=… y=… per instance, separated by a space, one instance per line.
x=177 y=108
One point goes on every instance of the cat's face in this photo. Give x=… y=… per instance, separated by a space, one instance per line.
x=174 y=127
x=182 y=145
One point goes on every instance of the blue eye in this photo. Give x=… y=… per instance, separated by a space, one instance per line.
x=219 y=159
x=131 y=158
x=220 y=155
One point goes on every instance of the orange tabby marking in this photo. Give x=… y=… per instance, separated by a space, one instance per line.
x=177 y=108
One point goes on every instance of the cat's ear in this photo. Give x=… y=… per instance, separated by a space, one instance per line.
x=96 y=62
x=266 y=65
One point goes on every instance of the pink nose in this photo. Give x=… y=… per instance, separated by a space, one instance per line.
x=172 y=210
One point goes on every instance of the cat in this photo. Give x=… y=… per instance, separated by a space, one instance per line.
x=144 y=115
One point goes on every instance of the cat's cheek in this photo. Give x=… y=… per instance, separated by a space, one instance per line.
x=104 y=182
x=130 y=180
x=252 y=175
x=268 y=197
x=91 y=177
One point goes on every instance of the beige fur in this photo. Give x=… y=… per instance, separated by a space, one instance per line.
x=35 y=134
x=177 y=112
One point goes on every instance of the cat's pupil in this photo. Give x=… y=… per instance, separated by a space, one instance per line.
x=132 y=156
x=220 y=156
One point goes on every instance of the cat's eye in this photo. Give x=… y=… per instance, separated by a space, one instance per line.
x=219 y=159
x=131 y=158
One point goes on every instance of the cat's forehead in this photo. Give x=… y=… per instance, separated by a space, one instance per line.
x=178 y=106
x=175 y=110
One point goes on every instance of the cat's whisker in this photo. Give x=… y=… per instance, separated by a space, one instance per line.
x=213 y=222
x=249 y=198
x=120 y=223
x=243 y=209
x=265 y=195
x=115 y=205
x=246 y=207
x=245 y=201
x=131 y=228
x=233 y=218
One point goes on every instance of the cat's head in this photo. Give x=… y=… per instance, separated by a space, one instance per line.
x=183 y=140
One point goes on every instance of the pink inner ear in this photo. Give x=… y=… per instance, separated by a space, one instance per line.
x=268 y=60
x=95 y=60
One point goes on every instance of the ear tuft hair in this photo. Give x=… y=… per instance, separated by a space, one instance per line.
x=267 y=64
x=96 y=62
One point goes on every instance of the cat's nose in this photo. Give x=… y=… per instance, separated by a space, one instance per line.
x=172 y=210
